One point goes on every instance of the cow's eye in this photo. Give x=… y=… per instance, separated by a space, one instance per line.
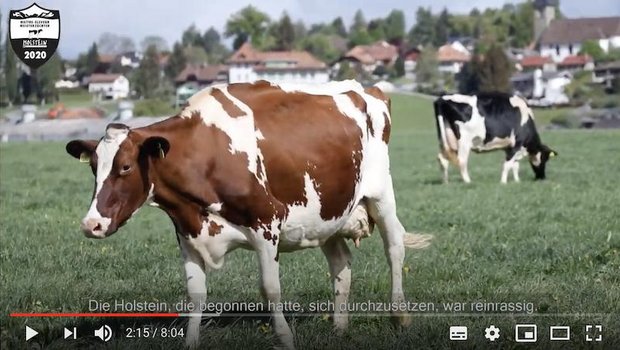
x=125 y=169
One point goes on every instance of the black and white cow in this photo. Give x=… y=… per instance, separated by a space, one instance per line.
x=487 y=122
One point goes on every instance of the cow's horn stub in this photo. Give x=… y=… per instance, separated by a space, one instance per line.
x=115 y=129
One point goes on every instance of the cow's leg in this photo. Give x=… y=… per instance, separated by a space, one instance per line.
x=463 y=156
x=339 y=260
x=444 y=163
x=515 y=171
x=270 y=288
x=511 y=163
x=196 y=288
x=383 y=211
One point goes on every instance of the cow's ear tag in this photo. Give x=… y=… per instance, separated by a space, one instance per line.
x=162 y=155
x=552 y=154
x=84 y=157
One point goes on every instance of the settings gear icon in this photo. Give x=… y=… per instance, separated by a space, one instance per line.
x=491 y=333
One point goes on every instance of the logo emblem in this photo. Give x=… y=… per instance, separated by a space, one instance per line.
x=34 y=33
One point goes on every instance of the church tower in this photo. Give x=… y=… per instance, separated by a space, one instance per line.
x=544 y=13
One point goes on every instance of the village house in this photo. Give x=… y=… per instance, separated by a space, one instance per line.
x=249 y=65
x=371 y=57
x=194 y=78
x=411 y=60
x=565 y=37
x=108 y=86
x=542 y=88
x=452 y=58
x=534 y=62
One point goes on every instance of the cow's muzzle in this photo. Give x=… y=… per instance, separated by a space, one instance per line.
x=95 y=227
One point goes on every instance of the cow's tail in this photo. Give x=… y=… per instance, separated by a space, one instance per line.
x=417 y=240
x=440 y=123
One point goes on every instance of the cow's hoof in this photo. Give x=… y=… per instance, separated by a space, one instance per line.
x=402 y=320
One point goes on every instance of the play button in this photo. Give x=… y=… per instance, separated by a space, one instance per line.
x=30 y=333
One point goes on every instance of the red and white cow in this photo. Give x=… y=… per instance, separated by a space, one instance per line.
x=262 y=167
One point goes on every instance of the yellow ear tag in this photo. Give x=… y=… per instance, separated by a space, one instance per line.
x=84 y=157
x=162 y=155
x=552 y=154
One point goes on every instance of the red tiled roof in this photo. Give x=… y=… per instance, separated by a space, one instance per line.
x=575 y=60
x=535 y=61
x=201 y=73
x=369 y=54
x=299 y=59
x=447 y=53
x=103 y=78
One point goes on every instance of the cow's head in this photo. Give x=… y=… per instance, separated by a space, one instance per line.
x=120 y=162
x=538 y=161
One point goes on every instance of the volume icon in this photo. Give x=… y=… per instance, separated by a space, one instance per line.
x=104 y=333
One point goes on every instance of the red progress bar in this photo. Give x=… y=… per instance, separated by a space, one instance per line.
x=89 y=314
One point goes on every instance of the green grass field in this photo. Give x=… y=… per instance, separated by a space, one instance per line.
x=555 y=244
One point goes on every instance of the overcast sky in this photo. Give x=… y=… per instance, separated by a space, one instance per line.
x=83 y=21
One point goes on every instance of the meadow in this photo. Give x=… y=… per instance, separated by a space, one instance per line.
x=554 y=244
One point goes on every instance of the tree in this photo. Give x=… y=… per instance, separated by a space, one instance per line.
x=358 y=34
x=211 y=39
x=47 y=75
x=442 y=28
x=216 y=51
x=113 y=44
x=338 y=26
x=427 y=69
x=160 y=43
x=196 y=55
x=345 y=71
x=11 y=74
x=284 y=33
x=495 y=71
x=399 y=66
x=468 y=78
x=191 y=36
x=376 y=29
x=176 y=62
x=300 y=30
x=147 y=78
x=592 y=48
x=522 y=25
x=395 y=27
x=248 y=24
x=320 y=46
x=423 y=32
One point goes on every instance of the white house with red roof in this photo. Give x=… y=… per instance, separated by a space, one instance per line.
x=452 y=57
x=108 y=86
x=248 y=65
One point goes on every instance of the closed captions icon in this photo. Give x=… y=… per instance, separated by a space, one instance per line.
x=458 y=333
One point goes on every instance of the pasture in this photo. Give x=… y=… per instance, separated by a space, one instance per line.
x=555 y=244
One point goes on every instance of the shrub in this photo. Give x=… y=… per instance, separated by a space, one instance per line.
x=152 y=108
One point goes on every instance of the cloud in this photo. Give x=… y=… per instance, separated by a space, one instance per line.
x=82 y=22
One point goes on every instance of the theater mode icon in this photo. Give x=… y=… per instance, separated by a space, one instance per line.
x=525 y=333
x=458 y=333
x=559 y=333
